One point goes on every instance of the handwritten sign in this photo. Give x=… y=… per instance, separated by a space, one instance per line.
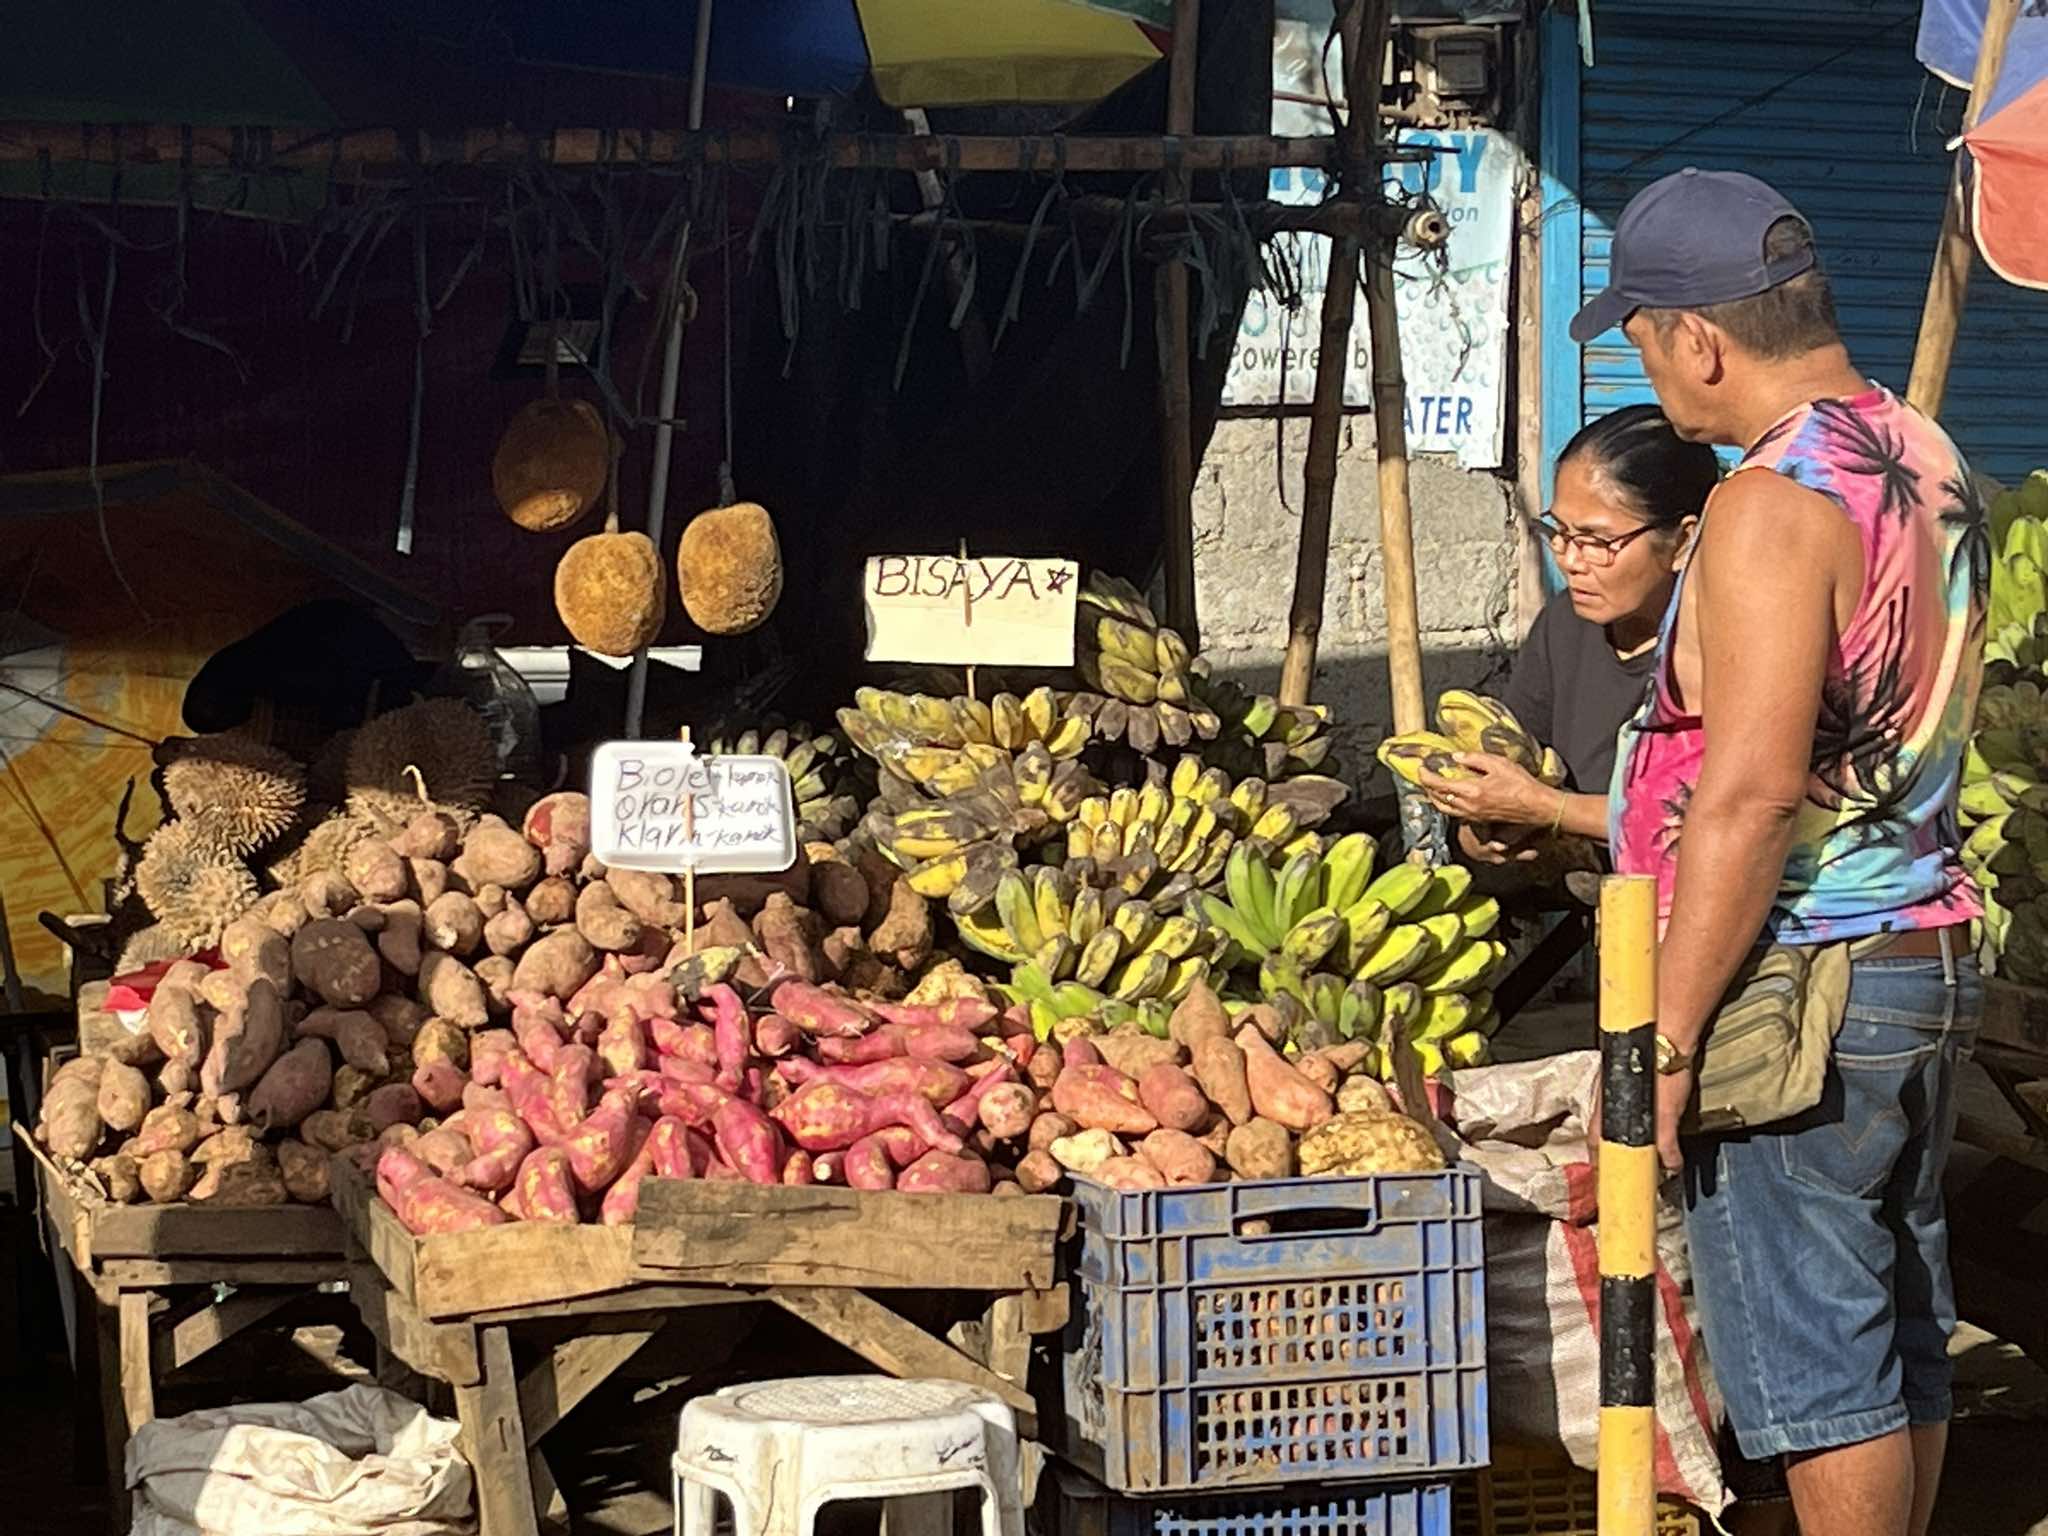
x=988 y=610
x=658 y=805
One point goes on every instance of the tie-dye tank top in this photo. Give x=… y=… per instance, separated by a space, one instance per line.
x=1875 y=847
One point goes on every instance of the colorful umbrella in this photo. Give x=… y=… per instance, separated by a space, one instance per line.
x=2009 y=143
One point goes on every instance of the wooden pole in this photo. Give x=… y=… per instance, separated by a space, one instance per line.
x=1628 y=1179
x=1170 y=318
x=1397 y=528
x=1363 y=27
x=1948 y=283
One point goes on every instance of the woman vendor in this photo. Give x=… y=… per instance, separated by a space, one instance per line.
x=1629 y=494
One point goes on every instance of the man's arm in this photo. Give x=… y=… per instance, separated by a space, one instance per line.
x=1763 y=584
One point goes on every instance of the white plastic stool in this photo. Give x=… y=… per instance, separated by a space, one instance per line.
x=778 y=1450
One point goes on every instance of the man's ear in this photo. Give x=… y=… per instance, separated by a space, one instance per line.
x=1703 y=346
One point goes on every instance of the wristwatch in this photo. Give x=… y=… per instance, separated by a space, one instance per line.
x=1670 y=1059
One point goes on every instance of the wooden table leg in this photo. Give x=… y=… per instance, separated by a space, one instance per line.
x=138 y=1385
x=494 y=1439
x=104 y=1319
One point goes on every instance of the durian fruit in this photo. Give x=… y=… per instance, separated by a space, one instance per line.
x=147 y=946
x=729 y=567
x=551 y=464
x=611 y=592
x=446 y=742
x=234 y=792
x=324 y=849
x=191 y=891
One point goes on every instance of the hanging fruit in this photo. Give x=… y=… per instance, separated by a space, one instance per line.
x=729 y=567
x=551 y=464
x=610 y=591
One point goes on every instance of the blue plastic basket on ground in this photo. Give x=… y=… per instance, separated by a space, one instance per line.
x=1278 y=1331
x=1359 y=1509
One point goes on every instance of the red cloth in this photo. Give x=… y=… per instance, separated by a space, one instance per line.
x=2009 y=211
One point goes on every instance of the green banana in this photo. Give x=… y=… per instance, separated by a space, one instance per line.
x=1347 y=868
x=1401 y=889
x=1404 y=950
x=1448 y=885
x=1309 y=940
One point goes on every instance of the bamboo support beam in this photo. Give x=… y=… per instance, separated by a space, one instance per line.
x=407 y=151
x=1423 y=228
x=1954 y=251
x=1170 y=319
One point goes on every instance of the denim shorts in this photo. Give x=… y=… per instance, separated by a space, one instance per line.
x=1820 y=1245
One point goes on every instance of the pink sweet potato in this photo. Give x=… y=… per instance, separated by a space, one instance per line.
x=297 y=1083
x=964 y=1113
x=816 y=1011
x=1100 y=1098
x=501 y=1141
x=1220 y=1069
x=428 y=1205
x=1129 y=1173
x=685 y=1042
x=928 y=1042
x=487 y=1049
x=945 y=1173
x=1007 y=1110
x=969 y=1013
x=546 y=1189
x=539 y=1027
x=622 y=1046
x=446 y=1151
x=730 y=1033
x=1179 y=1158
x=622 y=1201
x=559 y=826
x=606 y=1141
x=798 y=1169
x=934 y=1081
x=439 y=1085
x=575 y=1074
x=677 y=1151
x=824 y=1116
x=775 y=1036
x=866 y=1165
x=1172 y=1097
x=1279 y=1093
x=1081 y=1052
x=749 y=1141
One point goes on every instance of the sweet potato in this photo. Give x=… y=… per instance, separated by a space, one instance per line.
x=1179 y=1158
x=557 y=965
x=493 y=854
x=360 y=1040
x=428 y=1205
x=749 y=1141
x=123 y=1097
x=1048 y=1128
x=376 y=870
x=1172 y=1097
x=1102 y=1098
x=839 y=893
x=732 y=1035
x=325 y=896
x=1199 y=1016
x=333 y=960
x=1363 y=1095
x=120 y=1176
x=609 y=927
x=455 y=923
x=429 y=879
x=934 y=1081
x=1038 y=1171
x=253 y=950
x=547 y=1193
x=1133 y=1052
x=178 y=1026
x=450 y=990
x=399 y=939
x=945 y=1173
x=1081 y=1052
x=559 y=826
x=678 y=1152
x=304 y=1170
x=242 y=1181
x=622 y=1201
x=167 y=1176
x=352 y=1085
x=649 y=896
x=1086 y=1151
x=685 y=1042
x=927 y=1042
x=817 y=1012
x=501 y=1141
x=538 y=1025
x=789 y=938
x=1261 y=1149
x=167 y=1128
x=866 y=1165
x=297 y=1084
x=776 y=1037
x=439 y=1085
x=963 y=1115
x=429 y=834
x=393 y=1104
x=551 y=903
x=1007 y=1110
x=1128 y=1173
x=1220 y=1069
x=825 y=1116
x=401 y=1018
x=905 y=934
x=70 y=1123
x=509 y=932
x=622 y=1047
x=1280 y=1093
x=605 y=1142
x=575 y=1073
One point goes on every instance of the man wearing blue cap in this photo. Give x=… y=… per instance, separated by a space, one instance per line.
x=1791 y=779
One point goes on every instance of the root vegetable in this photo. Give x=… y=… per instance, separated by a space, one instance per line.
x=1179 y=1158
x=607 y=1140
x=167 y=1176
x=123 y=1097
x=352 y=1085
x=399 y=939
x=1279 y=1092
x=622 y=1047
x=494 y=973
x=509 y=932
x=731 y=1034
x=905 y=934
x=430 y=881
x=439 y=1040
x=455 y=923
x=575 y=1073
x=429 y=835
x=685 y=1042
x=70 y=1124
x=825 y=1116
x=775 y=1036
x=493 y=854
x=945 y=1173
x=1220 y=1069
x=818 y=1012
x=551 y=903
x=798 y=1169
x=325 y=895
x=241 y=1182
x=451 y=991
x=178 y=1026
x=1128 y=1173
x=1363 y=1095
x=1043 y=1067
x=361 y=1043
x=1102 y=1098
x=928 y=1042
x=329 y=1131
x=1007 y=1110
x=556 y=966
x=1260 y=1149
x=1081 y=1052
x=963 y=1114
x=972 y=1014
x=428 y=1205
x=749 y=1141
x=501 y=1141
x=1172 y=1097
x=546 y=1188
x=609 y=927
x=439 y=1085
x=559 y=826
x=253 y=949
x=1038 y=1171
x=936 y=1082
x=487 y=1051
x=334 y=961
x=1049 y=1128
x=676 y=1150
x=866 y=1165
x=296 y=1085
x=167 y=1128
x=649 y=896
x=393 y=1104
x=622 y=1201
x=120 y=1175
x=1087 y=1151
x=839 y=893
x=1199 y=1017
x=376 y=870
x=445 y=1150
x=402 y=1018
x=1136 y=1052
x=788 y=936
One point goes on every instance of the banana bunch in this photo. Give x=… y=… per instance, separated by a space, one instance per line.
x=1263 y=736
x=944 y=746
x=1085 y=955
x=1468 y=722
x=1173 y=836
x=823 y=775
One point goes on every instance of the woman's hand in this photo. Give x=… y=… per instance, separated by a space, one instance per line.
x=1498 y=845
x=1496 y=792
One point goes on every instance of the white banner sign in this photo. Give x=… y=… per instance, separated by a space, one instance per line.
x=658 y=805
x=1453 y=305
x=987 y=610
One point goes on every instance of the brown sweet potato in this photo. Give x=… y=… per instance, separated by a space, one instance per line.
x=325 y=895
x=1007 y=1110
x=551 y=903
x=556 y=966
x=123 y=1097
x=248 y=1178
x=1048 y=1128
x=439 y=1085
x=1179 y=1158
x=839 y=892
x=1318 y=1069
x=376 y=870
x=253 y=949
x=429 y=835
x=178 y=1025
x=1102 y=1099
x=788 y=936
x=333 y=960
x=495 y=972
x=282 y=912
x=352 y=1085
x=120 y=1176
x=401 y=1018
x=905 y=934
x=1038 y=1171
x=455 y=924
x=297 y=1083
x=70 y=1123
x=450 y=990
x=1279 y=1092
x=1086 y=1151
x=609 y=927
x=333 y=1130
x=649 y=896
x=1128 y=1173
x=1199 y=1017
x=1172 y=1096
x=1133 y=1052
x=430 y=881
x=493 y=854
x=398 y=941
x=393 y=1104
x=360 y=1040
x=510 y=931
x=559 y=826
x=304 y=1171
x=1261 y=1149
x=167 y=1176
x=167 y=1128
x=1220 y=1069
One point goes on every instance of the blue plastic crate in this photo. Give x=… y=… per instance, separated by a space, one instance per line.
x=1085 y=1508
x=1278 y=1331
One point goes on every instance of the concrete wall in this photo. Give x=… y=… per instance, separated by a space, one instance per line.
x=1245 y=539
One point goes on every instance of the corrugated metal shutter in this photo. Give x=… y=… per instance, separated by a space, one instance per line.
x=1824 y=100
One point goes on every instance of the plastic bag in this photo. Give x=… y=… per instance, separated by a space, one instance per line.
x=359 y=1462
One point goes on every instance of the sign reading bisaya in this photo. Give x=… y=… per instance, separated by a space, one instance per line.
x=658 y=805
x=984 y=610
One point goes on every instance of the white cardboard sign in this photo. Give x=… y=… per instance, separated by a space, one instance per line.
x=981 y=610
x=658 y=805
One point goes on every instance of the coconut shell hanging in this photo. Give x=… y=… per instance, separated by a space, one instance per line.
x=729 y=567
x=610 y=592
x=551 y=464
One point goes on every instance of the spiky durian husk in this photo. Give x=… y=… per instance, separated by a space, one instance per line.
x=147 y=946
x=189 y=888
x=446 y=741
x=235 y=793
x=325 y=847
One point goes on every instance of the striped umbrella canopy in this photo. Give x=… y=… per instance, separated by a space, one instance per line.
x=2008 y=145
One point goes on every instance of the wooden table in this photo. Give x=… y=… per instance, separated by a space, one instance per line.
x=523 y=1321
x=158 y=1286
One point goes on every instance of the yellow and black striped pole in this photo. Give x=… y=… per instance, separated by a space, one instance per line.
x=1628 y=1205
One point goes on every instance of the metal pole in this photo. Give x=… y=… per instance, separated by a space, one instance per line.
x=1629 y=1173
x=671 y=372
x=1954 y=250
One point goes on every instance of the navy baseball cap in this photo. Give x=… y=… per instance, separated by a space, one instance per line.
x=1691 y=239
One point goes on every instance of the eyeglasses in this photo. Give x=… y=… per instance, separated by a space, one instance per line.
x=1591 y=549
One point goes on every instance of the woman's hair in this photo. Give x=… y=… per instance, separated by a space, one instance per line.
x=1634 y=450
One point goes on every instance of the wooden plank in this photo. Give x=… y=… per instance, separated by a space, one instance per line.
x=495 y=1442
x=61 y=1200
x=638 y=1298
x=178 y=1346
x=370 y=1224
x=879 y=1336
x=105 y=1322
x=442 y=1351
x=746 y=1234
x=572 y=1370
x=142 y=1274
x=138 y=1386
x=192 y=1231
x=2030 y=1151
x=1045 y=1311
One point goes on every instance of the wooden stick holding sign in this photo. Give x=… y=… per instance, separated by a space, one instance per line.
x=967 y=612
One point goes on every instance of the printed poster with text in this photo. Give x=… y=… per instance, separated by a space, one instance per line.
x=1453 y=304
